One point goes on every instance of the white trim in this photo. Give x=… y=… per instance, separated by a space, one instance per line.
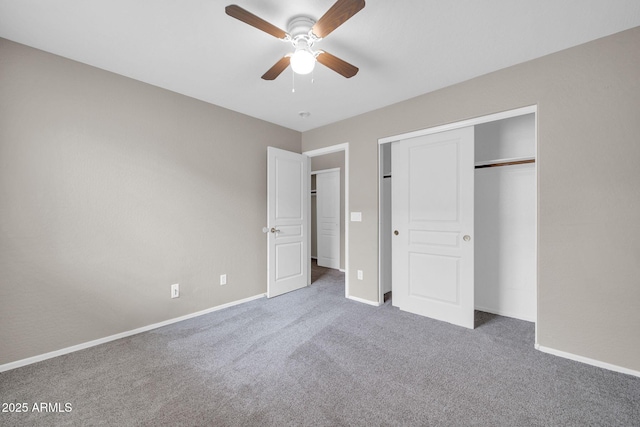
x=588 y=361
x=537 y=166
x=327 y=150
x=325 y=171
x=457 y=125
x=67 y=350
x=335 y=149
x=365 y=301
x=342 y=270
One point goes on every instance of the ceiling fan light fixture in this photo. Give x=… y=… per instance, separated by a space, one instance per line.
x=303 y=32
x=303 y=61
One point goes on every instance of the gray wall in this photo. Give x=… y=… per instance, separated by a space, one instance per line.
x=588 y=101
x=330 y=161
x=110 y=191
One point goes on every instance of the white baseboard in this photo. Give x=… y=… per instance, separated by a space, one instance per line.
x=45 y=356
x=365 y=301
x=587 y=360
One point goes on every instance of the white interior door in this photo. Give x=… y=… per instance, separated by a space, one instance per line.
x=288 y=205
x=432 y=214
x=328 y=218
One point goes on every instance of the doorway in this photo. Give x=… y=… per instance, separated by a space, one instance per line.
x=505 y=200
x=326 y=158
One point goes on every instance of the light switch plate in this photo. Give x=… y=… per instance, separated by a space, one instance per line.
x=356 y=216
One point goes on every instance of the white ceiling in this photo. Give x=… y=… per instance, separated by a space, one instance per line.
x=403 y=48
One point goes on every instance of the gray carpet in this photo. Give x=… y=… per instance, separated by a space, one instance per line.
x=312 y=357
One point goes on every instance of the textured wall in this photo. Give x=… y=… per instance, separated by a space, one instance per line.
x=110 y=191
x=588 y=100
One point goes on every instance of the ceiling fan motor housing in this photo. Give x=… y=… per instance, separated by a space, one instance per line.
x=300 y=27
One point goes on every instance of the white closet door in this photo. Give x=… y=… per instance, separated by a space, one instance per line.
x=328 y=218
x=432 y=210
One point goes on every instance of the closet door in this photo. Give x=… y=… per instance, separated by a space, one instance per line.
x=328 y=218
x=432 y=211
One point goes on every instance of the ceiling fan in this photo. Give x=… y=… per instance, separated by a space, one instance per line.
x=303 y=32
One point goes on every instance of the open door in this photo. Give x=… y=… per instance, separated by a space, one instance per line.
x=288 y=208
x=432 y=215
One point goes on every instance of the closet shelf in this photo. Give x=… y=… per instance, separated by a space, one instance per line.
x=505 y=162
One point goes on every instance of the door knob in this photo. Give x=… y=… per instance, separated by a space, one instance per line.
x=466 y=238
x=396 y=232
x=274 y=230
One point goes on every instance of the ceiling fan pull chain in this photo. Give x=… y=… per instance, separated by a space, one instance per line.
x=293 y=82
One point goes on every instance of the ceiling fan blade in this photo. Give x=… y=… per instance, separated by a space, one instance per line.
x=337 y=15
x=278 y=68
x=247 y=17
x=337 y=64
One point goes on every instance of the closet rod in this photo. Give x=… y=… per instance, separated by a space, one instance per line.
x=507 y=163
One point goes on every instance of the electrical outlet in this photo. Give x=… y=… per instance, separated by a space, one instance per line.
x=223 y=279
x=175 y=290
x=359 y=274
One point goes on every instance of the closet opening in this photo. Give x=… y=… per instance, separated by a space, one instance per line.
x=504 y=213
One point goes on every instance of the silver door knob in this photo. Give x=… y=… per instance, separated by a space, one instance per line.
x=466 y=238
x=396 y=232
x=274 y=230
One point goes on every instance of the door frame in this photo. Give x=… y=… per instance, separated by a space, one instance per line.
x=443 y=128
x=328 y=150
